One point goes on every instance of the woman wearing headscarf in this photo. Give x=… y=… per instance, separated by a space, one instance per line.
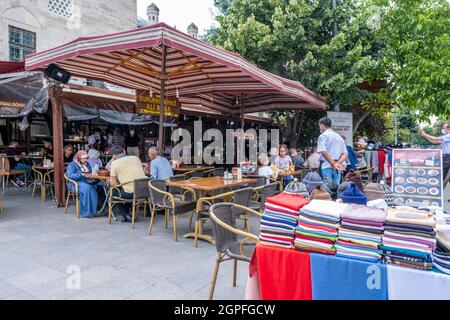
x=87 y=191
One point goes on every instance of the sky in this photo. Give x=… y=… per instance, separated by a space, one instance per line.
x=181 y=13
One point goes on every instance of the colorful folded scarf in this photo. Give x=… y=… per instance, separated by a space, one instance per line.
x=327 y=208
x=359 y=212
x=290 y=201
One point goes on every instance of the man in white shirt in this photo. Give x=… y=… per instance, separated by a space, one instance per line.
x=333 y=152
x=444 y=141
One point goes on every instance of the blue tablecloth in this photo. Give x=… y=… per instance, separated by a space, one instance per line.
x=337 y=278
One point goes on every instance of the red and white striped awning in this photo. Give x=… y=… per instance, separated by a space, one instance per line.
x=201 y=73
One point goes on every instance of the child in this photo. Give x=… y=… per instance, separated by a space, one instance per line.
x=265 y=170
x=284 y=161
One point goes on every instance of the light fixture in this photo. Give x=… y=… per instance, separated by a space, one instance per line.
x=237 y=100
x=178 y=93
x=151 y=92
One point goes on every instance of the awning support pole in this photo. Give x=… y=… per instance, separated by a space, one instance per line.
x=163 y=97
x=55 y=95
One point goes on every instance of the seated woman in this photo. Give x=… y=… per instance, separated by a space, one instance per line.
x=78 y=171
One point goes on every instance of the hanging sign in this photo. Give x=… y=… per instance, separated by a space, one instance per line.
x=12 y=104
x=417 y=177
x=151 y=105
x=342 y=123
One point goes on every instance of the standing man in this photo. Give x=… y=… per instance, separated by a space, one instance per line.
x=124 y=170
x=333 y=152
x=444 y=141
x=132 y=143
x=159 y=166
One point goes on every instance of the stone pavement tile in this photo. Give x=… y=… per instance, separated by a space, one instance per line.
x=7 y=236
x=52 y=236
x=224 y=288
x=60 y=289
x=162 y=290
x=60 y=260
x=12 y=265
x=7 y=290
x=37 y=276
x=118 y=288
x=23 y=295
x=101 y=273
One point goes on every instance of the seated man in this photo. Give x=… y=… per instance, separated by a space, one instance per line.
x=15 y=162
x=160 y=168
x=124 y=169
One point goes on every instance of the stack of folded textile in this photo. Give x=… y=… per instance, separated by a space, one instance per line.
x=317 y=227
x=441 y=255
x=409 y=238
x=360 y=233
x=280 y=218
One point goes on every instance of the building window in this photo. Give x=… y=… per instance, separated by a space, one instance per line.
x=61 y=7
x=21 y=43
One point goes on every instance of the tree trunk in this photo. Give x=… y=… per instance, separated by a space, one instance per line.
x=360 y=120
x=295 y=124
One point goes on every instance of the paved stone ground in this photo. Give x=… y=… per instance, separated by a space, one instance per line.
x=38 y=243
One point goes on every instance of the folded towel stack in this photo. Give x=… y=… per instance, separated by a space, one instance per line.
x=441 y=255
x=360 y=233
x=279 y=219
x=409 y=238
x=317 y=227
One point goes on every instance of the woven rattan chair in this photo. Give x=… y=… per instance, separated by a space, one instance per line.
x=163 y=200
x=261 y=194
x=228 y=246
x=73 y=194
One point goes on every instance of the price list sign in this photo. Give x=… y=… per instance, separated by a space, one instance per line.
x=417 y=177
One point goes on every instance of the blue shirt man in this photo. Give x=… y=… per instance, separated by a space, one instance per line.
x=160 y=168
x=333 y=152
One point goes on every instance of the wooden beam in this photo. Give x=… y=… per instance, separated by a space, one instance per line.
x=162 y=97
x=55 y=94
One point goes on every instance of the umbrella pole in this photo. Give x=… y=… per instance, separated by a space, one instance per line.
x=55 y=94
x=162 y=98
x=242 y=114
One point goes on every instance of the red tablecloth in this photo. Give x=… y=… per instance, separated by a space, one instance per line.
x=290 y=280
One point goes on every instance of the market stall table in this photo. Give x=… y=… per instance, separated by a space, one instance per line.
x=285 y=274
x=209 y=185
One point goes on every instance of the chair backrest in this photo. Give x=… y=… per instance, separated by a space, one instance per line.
x=4 y=163
x=241 y=197
x=260 y=180
x=176 y=190
x=218 y=172
x=156 y=197
x=268 y=191
x=141 y=190
x=199 y=173
x=223 y=237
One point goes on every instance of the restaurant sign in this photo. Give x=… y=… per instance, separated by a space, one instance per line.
x=151 y=105
x=12 y=104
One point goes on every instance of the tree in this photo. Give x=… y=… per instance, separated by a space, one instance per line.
x=416 y=53
x=294 y=39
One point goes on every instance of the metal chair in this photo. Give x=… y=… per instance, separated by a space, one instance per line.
x=140 y=196
x=199 y=174
x=260 y=180
x=239 y=197
x=177 y=191
x=226 y=234
x=261 y=194
x=163 y=200
x=366 y=175
x=74 y=195
x=43 y=181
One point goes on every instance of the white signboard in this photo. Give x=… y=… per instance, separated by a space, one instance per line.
x=342 y=123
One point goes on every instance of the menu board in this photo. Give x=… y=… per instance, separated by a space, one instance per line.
x=417 y=177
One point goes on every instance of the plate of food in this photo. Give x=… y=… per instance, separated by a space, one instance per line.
x=410 y=190
x=426 y=202
x=422 y=181
x=421 y=172
x=411 y=180
x=400 y=171
x=412 y=171
x=433 y=181
x=399 y=201
x=399 y=189
x=401 y=180
x=422 y=190
x=433 y=173
x=435 y=204
x=433 y=191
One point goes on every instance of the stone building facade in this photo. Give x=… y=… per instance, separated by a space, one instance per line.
x=35 y=25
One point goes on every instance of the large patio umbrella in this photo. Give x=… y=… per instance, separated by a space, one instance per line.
x=164 y=60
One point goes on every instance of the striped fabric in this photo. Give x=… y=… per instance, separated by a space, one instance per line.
x=203 y=74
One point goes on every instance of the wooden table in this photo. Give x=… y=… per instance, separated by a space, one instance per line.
x=185 y=169
x=105 y=186
x=205 y=185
